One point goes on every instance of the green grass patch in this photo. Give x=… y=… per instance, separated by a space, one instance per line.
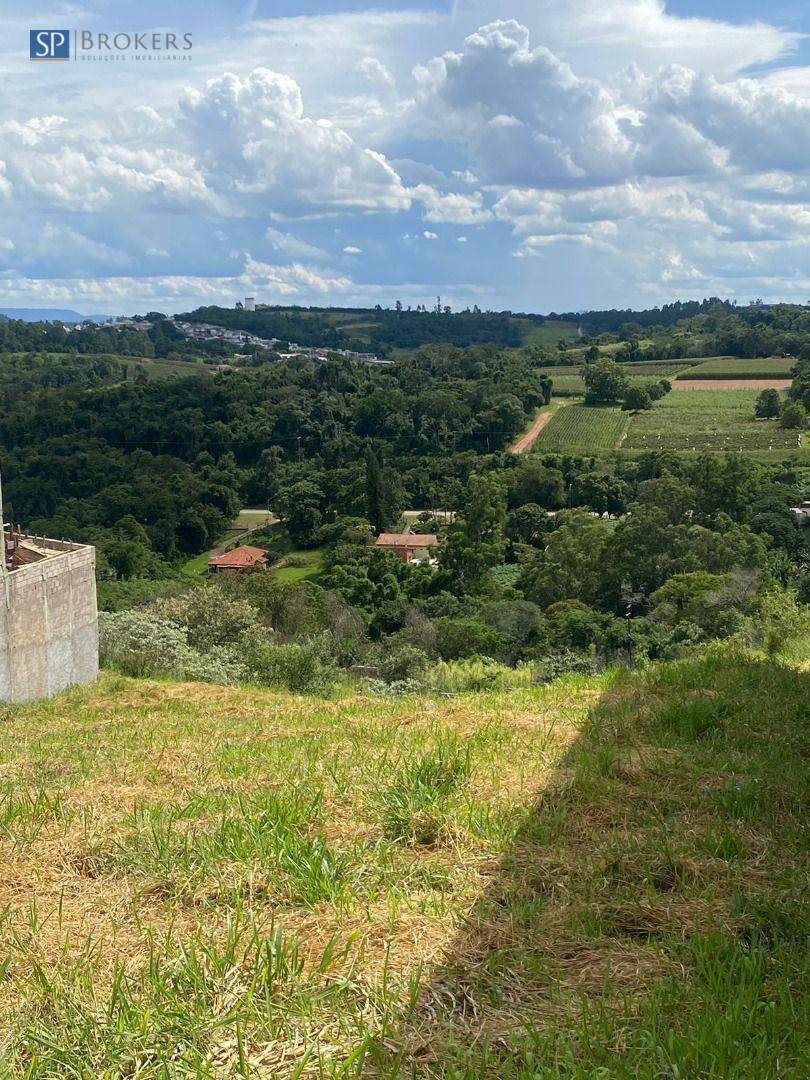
x=604 y=876
x=300 y=566
x=733 y=367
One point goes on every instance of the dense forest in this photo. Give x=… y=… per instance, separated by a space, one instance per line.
x=151 y=471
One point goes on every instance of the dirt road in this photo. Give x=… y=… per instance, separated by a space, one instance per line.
x=731 y=384
x=528 y=437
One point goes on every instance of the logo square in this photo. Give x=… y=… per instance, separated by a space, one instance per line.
x=49 y=44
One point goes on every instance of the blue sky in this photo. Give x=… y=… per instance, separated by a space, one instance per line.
x=526 y=154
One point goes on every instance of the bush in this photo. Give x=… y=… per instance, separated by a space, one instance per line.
x=794 y=416
x=463 y=676
x=290 y=667
x=459 y=638
x=402 y=662
x=140 y=644
x=209 y=617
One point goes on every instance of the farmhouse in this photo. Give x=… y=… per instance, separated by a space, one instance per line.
x=802 y=512
x=241 y=558
x=48 y=615
x=410 y=547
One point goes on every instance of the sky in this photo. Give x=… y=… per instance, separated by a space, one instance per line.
x=530 y=155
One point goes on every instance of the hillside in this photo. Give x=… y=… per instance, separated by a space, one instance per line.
x=249 y=883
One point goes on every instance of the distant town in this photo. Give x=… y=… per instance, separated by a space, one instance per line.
x=240 y=339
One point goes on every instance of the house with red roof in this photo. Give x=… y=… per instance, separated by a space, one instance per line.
x=410 y=547
x=241 y=558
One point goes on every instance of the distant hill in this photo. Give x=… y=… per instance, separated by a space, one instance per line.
x=65 y=315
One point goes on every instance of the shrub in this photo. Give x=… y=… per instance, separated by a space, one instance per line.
x=462 y=676
x=291 y=667
x=794 y=416
x=209 y=617
x=459 y=638
x=139 y=644
x=402 y=662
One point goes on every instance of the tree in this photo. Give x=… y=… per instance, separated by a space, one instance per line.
x=572 y=565
x=528 y=524
x=533 y=482
x=600 y=491
x=794 y=415
x=768 y=405
x=604 y=382
x=636 y=398
x=475 y=540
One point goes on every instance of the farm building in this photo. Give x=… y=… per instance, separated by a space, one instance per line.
x=802 y=512
x=410 y=547
x=241 y=558
x=48 y=615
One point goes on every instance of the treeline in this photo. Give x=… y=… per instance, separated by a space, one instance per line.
x=376 y=329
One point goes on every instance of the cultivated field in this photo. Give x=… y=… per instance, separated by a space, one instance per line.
x=707 y=420
x=581 y=429
x=568 y=383
x=732 y=367
x=201 y=881
x=732 y=384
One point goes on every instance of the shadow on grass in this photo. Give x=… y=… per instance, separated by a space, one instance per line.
x=647 y=920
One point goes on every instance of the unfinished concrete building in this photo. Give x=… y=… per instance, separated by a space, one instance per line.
x=48 y=615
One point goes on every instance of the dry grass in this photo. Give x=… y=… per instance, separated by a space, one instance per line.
x=260 y=884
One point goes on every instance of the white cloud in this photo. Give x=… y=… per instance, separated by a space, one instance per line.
x=459 y=208
x=256 y=144
x=350 y=249
x=375 y=73
x=287 y=244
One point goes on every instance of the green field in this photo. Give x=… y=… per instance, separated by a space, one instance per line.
x=548 y=333
x=732 y=367
x=568 y=382
x=603 y=877
x=300 y=566
x=658 y=369
x=582 y=429
x=707 y=420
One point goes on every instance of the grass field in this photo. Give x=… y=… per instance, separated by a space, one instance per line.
x=568 y=383
x=548 y=333
x=732 y=367
x=658 y=369
x=603 y=877
x=707 y=420
x=300 y=566
x=582 y=429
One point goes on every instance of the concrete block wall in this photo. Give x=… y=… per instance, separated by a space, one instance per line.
x=49 y=624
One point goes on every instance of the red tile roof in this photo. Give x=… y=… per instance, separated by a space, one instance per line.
x=406 y=540
x=240 y=557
